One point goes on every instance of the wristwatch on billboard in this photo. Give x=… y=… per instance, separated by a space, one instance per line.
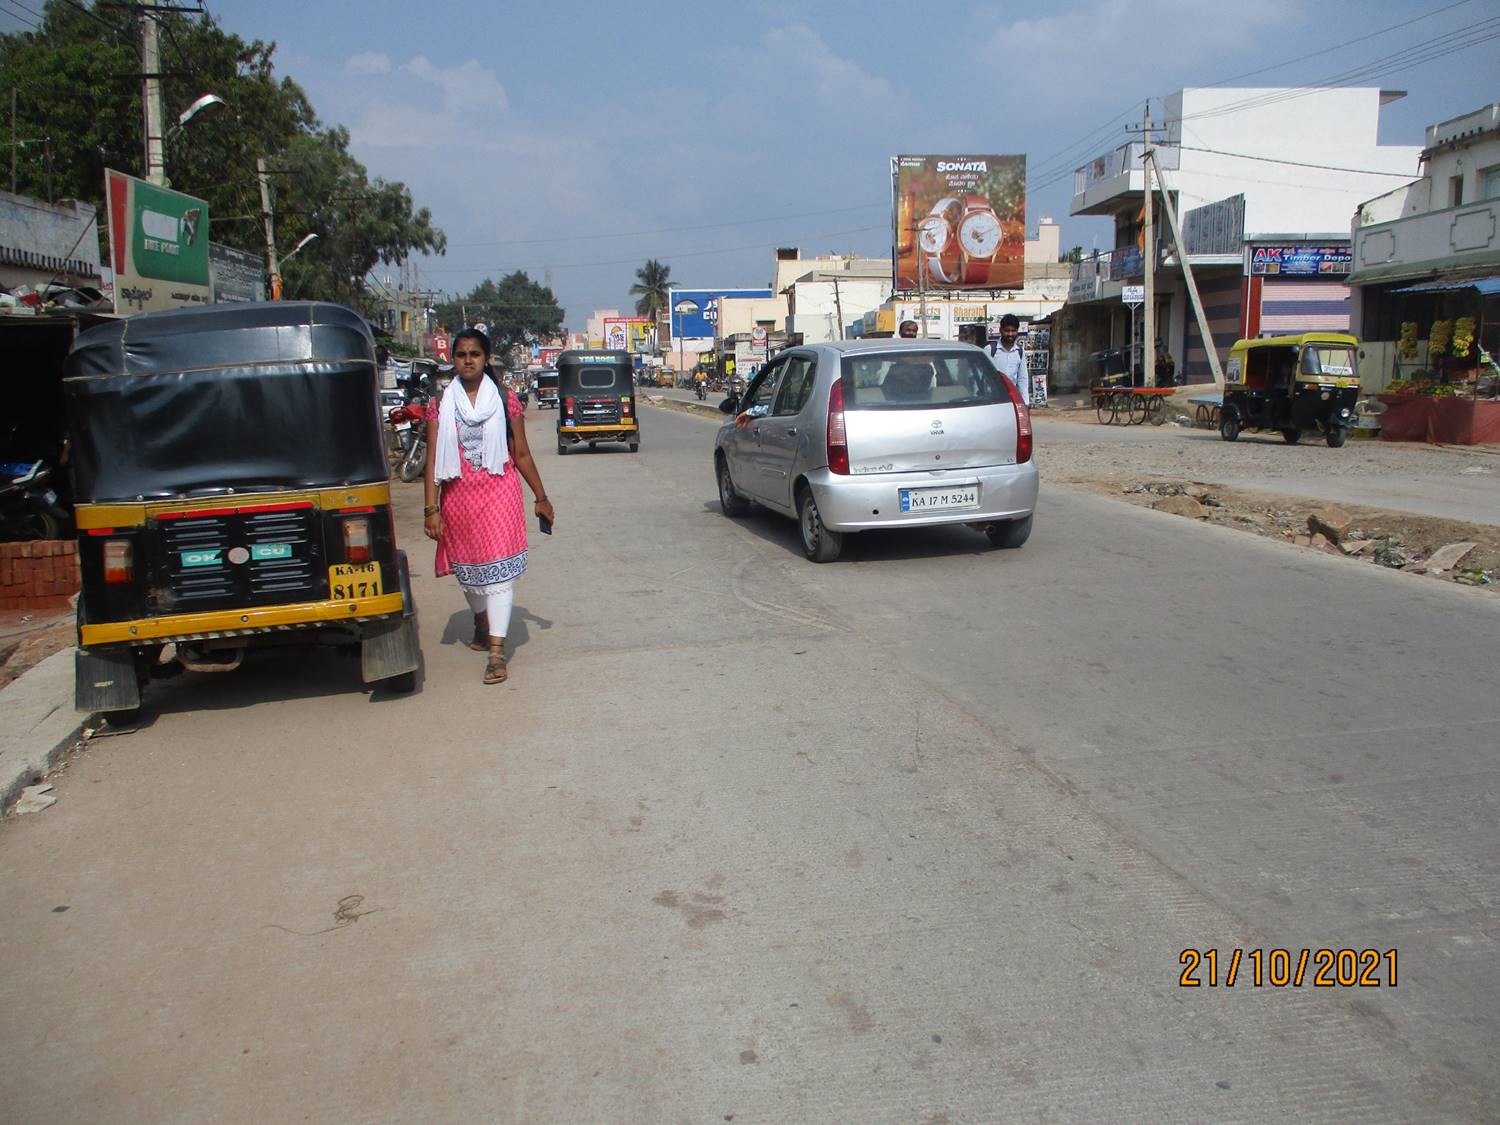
x=979 y=237
x=937 y=243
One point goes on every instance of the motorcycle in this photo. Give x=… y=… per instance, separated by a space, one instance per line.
x=411 y=427
x=29 y=506
x=700 y=390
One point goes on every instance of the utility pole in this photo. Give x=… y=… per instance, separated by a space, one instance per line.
x=1148 y=330
x=273 y=267
x=1187 y=273
x=921 y=290
x=14 y=145
x=156 y=157
x=838 y=305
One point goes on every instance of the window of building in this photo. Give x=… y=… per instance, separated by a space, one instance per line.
x=1489 y=183
x=1455 y=191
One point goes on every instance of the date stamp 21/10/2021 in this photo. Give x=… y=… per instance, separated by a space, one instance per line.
x=1287 y=968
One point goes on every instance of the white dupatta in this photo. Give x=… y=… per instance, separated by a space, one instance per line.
x=487 y=409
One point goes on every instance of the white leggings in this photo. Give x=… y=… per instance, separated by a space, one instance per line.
x=496 y=605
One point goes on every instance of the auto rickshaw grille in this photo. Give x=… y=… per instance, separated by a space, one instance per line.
x=595 y=412
x=280 y=559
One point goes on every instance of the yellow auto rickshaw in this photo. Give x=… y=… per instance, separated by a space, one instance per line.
x=1300 y=384
x=232 y=492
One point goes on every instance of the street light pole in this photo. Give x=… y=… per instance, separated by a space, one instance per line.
x=156 y=162
x=273 y=267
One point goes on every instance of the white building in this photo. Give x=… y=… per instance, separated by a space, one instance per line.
x=47 y=243
x=1264 y=181
x=1429 y=251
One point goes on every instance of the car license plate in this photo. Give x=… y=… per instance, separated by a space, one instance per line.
x=347 y=582
x=939 y=499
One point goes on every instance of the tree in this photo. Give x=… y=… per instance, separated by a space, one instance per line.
x=515 y=311
x=653 y=280
x=1073 y=255
x=77 y=82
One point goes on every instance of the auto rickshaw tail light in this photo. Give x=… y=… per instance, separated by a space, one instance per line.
x=119 y=562
x=838 y=435
x=357 y=540
x=568 y=404
x=1023 y=421
x=625 y=407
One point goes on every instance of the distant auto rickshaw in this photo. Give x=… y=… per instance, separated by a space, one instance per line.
x=233 y=493
x=546 y=389
x=597 y=395
x=1293 y=384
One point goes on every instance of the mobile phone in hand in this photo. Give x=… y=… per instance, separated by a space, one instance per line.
x=544 y=524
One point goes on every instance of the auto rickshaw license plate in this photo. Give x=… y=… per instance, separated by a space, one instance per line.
x=347 y=581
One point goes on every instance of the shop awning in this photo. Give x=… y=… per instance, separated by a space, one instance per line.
x=1489 y=286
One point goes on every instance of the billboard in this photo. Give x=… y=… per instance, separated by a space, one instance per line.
x=960 y=222
x=695 y=312
x=628 y=333
x=1301 y=261
x=236 y=275
x=158 y=245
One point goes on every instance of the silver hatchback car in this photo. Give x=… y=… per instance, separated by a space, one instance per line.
x=863 y=434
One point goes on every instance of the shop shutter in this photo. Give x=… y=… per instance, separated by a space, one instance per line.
x=1221 y=296
x=1303 y=306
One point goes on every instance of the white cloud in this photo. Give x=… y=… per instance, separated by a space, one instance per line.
x=466 y=86
x=367 y=63
x=806 y=58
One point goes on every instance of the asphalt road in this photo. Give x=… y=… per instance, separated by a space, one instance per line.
x=917 y=836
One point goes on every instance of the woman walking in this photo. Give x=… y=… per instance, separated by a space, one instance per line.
x=473 y=489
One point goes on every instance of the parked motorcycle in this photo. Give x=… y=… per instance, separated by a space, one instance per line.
x=30 y=507
x=414 y=439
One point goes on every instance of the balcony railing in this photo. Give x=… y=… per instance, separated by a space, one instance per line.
x=1454 y=238
x=1126 y=158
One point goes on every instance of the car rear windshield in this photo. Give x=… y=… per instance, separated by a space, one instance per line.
x=913 y=380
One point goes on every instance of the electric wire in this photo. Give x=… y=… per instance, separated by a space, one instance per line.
x=25 y=21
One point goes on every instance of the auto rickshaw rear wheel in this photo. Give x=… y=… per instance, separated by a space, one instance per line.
x=1336 y=436
x=635 y=447
x=1291 y=436
x=562 y=447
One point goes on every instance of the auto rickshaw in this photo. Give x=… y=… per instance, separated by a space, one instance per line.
x=1292 y=384
x=596 y=394
x=232 y=493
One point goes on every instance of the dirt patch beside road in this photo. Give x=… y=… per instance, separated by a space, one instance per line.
x=1375 y=536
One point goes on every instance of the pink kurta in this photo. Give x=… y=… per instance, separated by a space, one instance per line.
x=484 y=519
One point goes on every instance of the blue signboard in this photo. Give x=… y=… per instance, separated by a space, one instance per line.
x=1301 y=261
x=696 y=311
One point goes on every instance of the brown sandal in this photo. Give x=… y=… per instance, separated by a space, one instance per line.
x=494 y=669
x=481 y=641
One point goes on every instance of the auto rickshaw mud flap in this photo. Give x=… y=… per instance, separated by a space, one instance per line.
x=105 y=680
x=390 y=648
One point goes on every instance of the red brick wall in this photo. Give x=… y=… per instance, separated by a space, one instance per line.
x=41 y=574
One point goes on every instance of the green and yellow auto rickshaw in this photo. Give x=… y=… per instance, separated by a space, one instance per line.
x=1292 y=384
x=596 y=399
x=232 y=493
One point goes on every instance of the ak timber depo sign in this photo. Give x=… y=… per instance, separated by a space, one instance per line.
x=158 y=245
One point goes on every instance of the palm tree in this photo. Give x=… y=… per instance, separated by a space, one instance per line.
x=652 y=281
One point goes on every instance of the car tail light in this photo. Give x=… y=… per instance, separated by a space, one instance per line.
x=357 y=540
x=838 y=441
x=119 y=562
x=1023 y=422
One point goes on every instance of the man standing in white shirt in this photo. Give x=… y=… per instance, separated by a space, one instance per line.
x=1010 y=358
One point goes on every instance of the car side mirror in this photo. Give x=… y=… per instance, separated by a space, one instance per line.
x=730 y=405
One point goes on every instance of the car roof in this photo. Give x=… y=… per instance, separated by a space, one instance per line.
x=865 y=346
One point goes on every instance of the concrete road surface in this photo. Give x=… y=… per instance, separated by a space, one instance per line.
x=918 y=836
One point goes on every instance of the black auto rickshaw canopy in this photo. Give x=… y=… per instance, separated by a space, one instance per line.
x=595 y=372
x=248 y=397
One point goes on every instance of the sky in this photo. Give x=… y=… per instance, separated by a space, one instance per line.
x=574 y=140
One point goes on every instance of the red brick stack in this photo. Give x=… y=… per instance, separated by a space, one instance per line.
x=41 y=574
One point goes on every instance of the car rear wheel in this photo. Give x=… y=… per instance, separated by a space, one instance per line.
x=733 y=504
x=818 y=543
x=1009 y=534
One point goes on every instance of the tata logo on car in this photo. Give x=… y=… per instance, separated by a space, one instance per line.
x=937 y=426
